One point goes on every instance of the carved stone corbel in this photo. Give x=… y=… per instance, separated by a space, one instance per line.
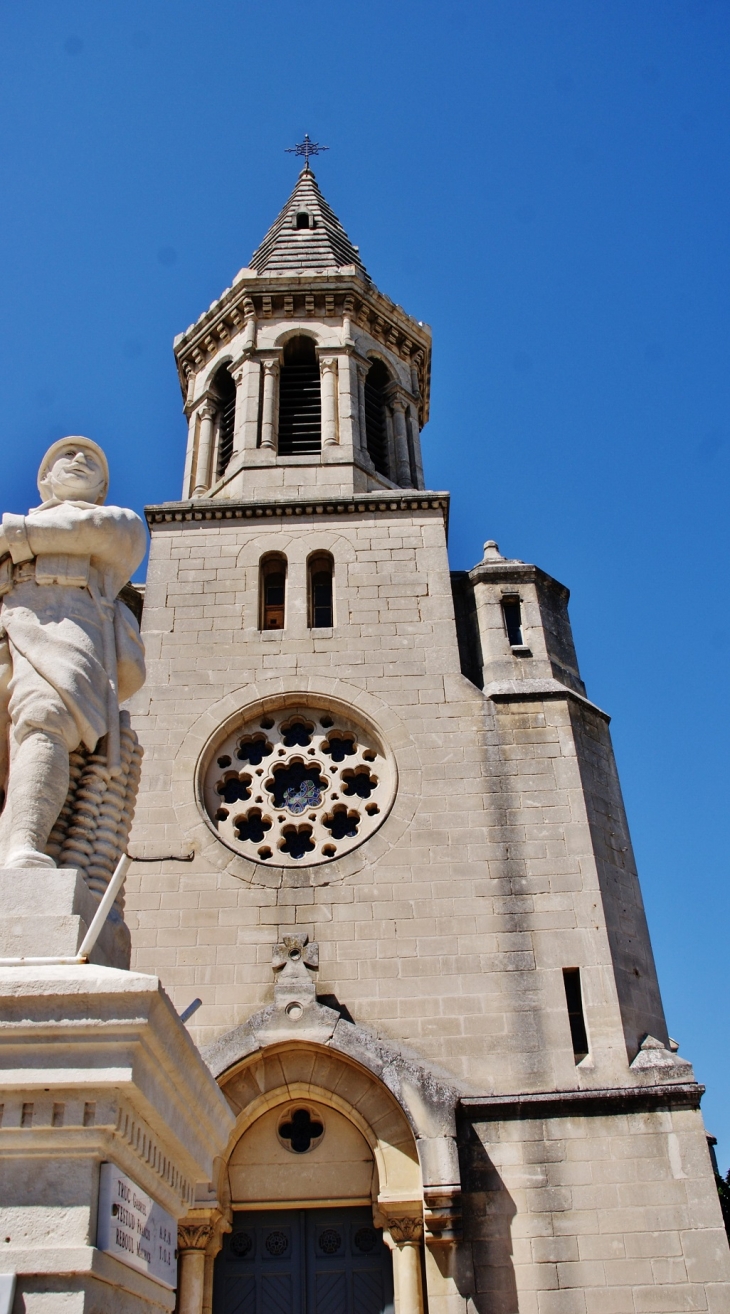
x=442 y=1215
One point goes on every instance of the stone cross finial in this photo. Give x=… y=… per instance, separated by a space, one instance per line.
x=294 y=960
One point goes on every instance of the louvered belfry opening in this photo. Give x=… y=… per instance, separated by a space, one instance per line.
x=225 y=388
x=376 y=431
x=300 y=404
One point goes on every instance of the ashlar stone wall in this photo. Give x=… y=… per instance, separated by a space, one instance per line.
x=450 y=927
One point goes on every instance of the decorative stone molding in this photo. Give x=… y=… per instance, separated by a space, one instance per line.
x=294 y=961
x=170 y=513
x=583 y=1103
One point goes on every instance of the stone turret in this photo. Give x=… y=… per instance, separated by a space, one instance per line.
x=302 y=375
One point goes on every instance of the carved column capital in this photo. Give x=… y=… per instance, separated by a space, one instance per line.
x=208 y=410
x=271 y=367
x=193 y=1236
x=406 y=1230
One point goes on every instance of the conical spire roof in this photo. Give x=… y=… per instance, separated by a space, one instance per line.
x=324 y=244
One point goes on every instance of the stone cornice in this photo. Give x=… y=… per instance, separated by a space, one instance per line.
x=523 y=691
x=514 y=572
x=336 y=294
x=206 y=509
x=583 y=1103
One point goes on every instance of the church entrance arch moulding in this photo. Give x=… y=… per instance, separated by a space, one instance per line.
x=397 y=777
x=316 y=1131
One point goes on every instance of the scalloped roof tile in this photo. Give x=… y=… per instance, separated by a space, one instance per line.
x=288 y=249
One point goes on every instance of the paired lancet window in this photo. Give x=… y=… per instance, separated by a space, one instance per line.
x=273 y=588
x=300 y=403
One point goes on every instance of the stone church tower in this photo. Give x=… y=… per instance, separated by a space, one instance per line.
x=381 y=837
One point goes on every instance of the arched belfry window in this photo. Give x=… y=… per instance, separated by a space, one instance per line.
x=320 y=569
x=376 y=427
x=272 y=591
x=300 y=402
x=224 y=389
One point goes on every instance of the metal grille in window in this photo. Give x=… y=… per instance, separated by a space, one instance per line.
x=296 y=786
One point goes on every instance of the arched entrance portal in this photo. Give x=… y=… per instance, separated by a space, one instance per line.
x=323 y=1188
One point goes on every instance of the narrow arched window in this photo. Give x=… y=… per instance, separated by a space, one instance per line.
x=224 y=389
x=320 y=569
x=300 y=405
x=376 y=427
x=272 y=592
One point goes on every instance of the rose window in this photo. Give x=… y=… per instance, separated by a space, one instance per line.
x=297 y=786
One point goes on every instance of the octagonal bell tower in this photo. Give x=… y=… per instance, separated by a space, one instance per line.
x=303 y=375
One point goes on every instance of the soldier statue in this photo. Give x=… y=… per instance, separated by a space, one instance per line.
x=70 y=649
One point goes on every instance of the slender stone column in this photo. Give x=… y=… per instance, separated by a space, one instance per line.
x=268 y=417
x=416 y=435
x=349 y=403
x=407 y=1236
x=402 y=455
x=205 y=447
x=362 y=371
x=329 y=403
x=191 y=1243
x=249 y=337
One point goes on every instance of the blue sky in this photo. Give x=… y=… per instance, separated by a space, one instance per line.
x=547 y=186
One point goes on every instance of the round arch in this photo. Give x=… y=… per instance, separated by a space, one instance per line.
x=279 y=1076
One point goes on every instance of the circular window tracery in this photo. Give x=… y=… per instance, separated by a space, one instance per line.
x=298 y=786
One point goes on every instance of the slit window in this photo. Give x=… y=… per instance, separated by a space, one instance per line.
x=376 y=425
x=272 y=593
x=576 y=1016
x=321 y=614
x=225 y=389
x=303 y=219
x=300 y=401
x=512 y=612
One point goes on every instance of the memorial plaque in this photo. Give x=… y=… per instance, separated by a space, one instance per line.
x=134 y=1228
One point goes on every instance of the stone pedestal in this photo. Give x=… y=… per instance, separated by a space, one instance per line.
x=46 y=913
x=95 y=1066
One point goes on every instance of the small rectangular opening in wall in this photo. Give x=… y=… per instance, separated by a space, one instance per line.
x=576 y=1017
x=512 y=612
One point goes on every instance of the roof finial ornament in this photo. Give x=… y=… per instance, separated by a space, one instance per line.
x=306 y=148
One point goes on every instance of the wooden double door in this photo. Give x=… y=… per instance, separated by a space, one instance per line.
x=304 y=1261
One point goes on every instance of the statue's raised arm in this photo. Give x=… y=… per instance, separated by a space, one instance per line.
x=70 y=649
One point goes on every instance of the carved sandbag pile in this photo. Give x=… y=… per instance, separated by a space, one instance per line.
x=93 y=825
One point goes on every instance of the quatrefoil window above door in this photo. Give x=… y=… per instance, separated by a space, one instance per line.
x=299 y=1131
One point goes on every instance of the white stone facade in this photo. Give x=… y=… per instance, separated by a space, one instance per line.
x=454 y=993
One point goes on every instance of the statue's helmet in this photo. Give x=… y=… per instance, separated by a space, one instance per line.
x=55 y=450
